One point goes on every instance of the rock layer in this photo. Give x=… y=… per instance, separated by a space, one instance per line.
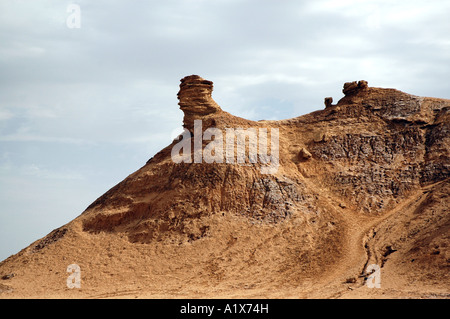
x=195 y=99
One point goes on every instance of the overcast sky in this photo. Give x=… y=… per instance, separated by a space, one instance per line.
x=82 y=108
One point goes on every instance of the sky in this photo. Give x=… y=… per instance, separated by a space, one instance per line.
x=88 y=92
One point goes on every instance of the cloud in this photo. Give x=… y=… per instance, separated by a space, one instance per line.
x=34 y=170
x=6 y=115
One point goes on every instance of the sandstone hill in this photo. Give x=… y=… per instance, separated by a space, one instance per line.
x=361 y=182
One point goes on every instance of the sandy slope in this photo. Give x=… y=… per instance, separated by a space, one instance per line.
x=231 y=263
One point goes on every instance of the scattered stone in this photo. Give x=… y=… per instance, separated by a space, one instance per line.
x=5 y=288
x=8 y=276
x=320 y=137
x=350 y=280
x=54 y=236
x=304 y=154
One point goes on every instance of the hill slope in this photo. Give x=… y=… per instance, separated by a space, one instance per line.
x=365 y=181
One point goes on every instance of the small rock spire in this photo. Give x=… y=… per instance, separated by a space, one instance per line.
x=195 y=99
x=351 y=88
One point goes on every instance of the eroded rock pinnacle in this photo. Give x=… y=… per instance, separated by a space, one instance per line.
x=195 y=99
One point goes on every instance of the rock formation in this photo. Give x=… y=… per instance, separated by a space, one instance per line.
x=354 y=87
x=365 y=181
x=195 y=99
x=328 y=101
x=304 y=154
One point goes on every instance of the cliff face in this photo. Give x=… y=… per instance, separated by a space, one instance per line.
x=364 y=181
x=387 y=143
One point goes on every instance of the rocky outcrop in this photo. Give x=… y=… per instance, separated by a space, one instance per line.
x=354 y=87
x=195 y=99
x=370 y=150
x=328 y=102
x=304 y=154
x=376 y=169
x=404 y=145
